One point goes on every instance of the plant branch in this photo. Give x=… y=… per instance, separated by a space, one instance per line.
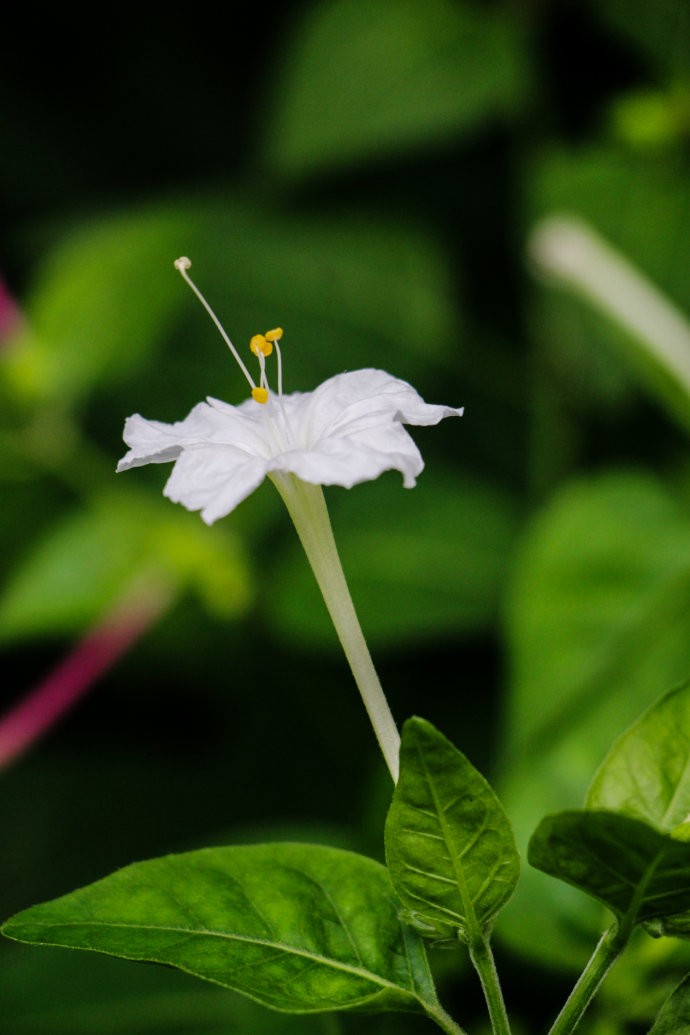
x=610 y=946
x=483 y=961
x=444 y=1021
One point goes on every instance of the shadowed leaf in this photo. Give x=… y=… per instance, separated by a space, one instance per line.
x=638 y=872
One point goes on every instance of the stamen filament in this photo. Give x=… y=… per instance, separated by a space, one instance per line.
x=182 y=265
x=263 y=379
x=273 y=337
x=279 y=359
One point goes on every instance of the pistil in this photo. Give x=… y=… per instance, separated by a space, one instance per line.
x=182 y=265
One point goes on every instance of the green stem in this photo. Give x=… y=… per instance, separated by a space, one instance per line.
x=483 y=960
x=608 y=950
x=445 y=1023
x=307 y=508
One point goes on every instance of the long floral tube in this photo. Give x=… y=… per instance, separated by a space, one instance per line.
x=569 y=250
x=307 y=508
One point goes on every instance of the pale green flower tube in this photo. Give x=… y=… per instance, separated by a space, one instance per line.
x=307 y=508
x=568 y=249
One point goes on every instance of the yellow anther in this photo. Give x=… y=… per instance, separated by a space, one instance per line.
x=259 y=344
x=260 y=395
x=275 y=335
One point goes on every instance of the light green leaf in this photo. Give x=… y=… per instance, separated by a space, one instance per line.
x=449 y=846
x=299 y=928
x=674 y=1016
x=91 y=557
x=439 y=552
x=75 y=571
x=597 y=612
x=90 y=315
x=598 y=625
x=646 y=774
x=637 y=872
x=366 y=79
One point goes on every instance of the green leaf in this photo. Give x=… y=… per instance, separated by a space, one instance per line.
x=75 y=571
x=90 y=315
x=674 y=1016
x=367 y=79
x=300 y=928
x=597 y=612
x=449 y=845
x=440 y=552
x=91 y=557
x=597 y=625
x=639 y=873
x=647 y=771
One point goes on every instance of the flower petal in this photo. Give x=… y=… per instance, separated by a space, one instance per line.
x=151 y=441
x=214 y=479
x=349 y=430
x=154 y=442
x=361 y=399
x=347 y=461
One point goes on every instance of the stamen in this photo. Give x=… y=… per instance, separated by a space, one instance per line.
x=261 y=345
x=182 y=265
x=268 y=340
x=261 y=348
x=260 y=395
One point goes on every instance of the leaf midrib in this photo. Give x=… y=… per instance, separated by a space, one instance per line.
x=468 y=907
x=206 y=932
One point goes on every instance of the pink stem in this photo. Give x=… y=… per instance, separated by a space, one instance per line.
x=43 y=706
x=10 y=315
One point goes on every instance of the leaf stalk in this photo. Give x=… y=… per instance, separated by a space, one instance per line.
x=483 y=961
x=609 y=948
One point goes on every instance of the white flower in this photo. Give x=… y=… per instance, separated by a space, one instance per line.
x=349 y=430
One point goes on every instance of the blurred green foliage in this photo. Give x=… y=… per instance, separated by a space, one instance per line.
x=366 y=175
